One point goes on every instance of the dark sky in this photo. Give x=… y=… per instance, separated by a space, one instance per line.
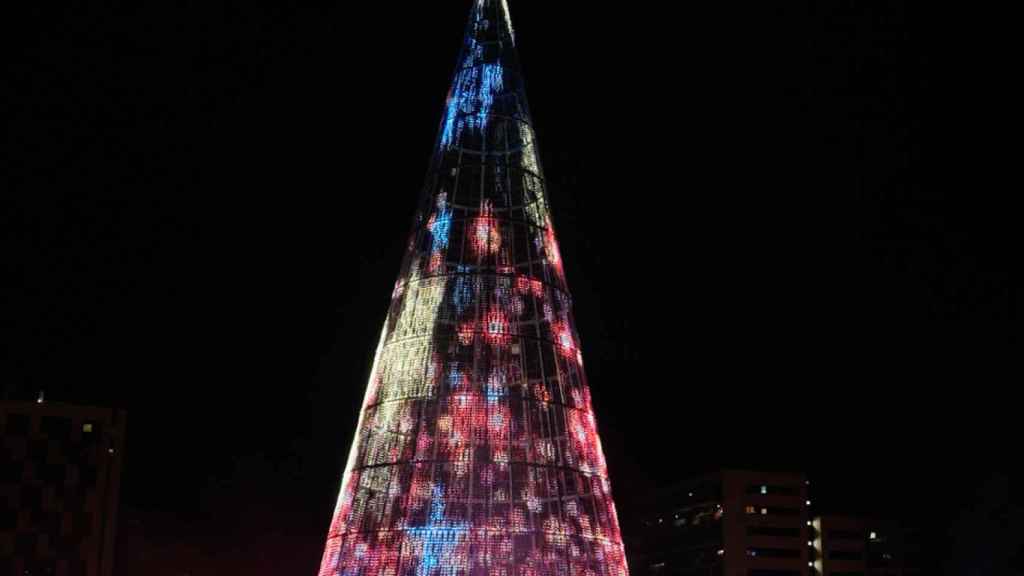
x=778 y=258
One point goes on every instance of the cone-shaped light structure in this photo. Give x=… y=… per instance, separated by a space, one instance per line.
x=477 y=450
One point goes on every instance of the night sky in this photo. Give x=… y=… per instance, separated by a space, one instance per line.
x=778 y=257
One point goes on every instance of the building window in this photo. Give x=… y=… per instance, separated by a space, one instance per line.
x=18 y=424
x=846 y=535
x=773 y=531
x=765 y=489
x=55 y=427
x=845 y=555
x=773 y=511
x=773 y=552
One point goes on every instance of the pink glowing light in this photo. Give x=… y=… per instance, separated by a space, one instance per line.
x=496 y=328
x=486 y=235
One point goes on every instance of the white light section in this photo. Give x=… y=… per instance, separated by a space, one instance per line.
x=508 y=20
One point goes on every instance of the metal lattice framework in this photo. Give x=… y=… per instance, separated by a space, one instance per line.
x=476 y=450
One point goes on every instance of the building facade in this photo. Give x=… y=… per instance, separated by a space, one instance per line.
x=732 y=523
x=477 y=451
x=856 y=546
x=60 y=469
x=746 y=523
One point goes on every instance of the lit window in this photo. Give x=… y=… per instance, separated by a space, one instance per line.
x=764 y=511
x=874 y=536
x=751 y=510
x=721 y=552
x=87 y=427
x=764 y=489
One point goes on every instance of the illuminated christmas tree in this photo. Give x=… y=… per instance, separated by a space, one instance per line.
x=476 y=450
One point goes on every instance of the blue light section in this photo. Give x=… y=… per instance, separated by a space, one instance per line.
x=474 y=89
x=463 y=289
x=439 y=537
x=455 y=376
x=449 y=120
x=495 y=389
x=493 y=81
x=441 y=227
